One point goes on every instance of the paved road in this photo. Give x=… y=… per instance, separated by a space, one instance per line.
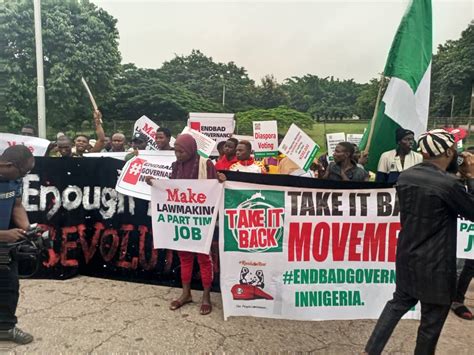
x=85 y=315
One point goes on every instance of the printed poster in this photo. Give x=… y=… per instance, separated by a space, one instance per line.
x=265 y=135
x=307 y=254
x=131 y=181
x=465 y=245
x=37 y=146
x=184 y=214
x=299 y=147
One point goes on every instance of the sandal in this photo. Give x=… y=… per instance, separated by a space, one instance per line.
x=463 y=312
x=205 y=309
x=176 y=304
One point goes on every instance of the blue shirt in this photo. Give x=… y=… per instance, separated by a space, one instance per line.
x=10 y=190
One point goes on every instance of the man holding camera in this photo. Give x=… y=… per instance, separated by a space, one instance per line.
x=15 y=162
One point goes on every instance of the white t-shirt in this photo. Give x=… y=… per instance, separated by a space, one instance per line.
x=390 y=162
x=253 y=168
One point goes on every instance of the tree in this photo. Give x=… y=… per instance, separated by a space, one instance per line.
x=453 y=75
x=270 y=94
x=365 y=103
x=79 y=39
x=283 y=115
x=142 y=92
x=201 y=75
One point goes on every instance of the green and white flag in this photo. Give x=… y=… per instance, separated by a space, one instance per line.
x=406 y=99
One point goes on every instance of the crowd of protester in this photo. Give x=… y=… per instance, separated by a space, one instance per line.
x=347 y=163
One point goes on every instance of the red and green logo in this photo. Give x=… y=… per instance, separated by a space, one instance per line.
x=254 y=220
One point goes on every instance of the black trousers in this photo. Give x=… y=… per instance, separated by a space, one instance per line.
x=464 y=280
x=433 y=317
x=9 y=293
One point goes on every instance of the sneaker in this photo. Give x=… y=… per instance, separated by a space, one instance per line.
x=16 y=335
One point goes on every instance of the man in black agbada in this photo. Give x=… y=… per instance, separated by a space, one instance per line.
x=431 y=198
x=15 y=163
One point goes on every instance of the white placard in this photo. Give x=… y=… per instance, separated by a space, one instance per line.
x=333 y=139
x=37 y=146
x=265 y=135
x=218 y=126
x=354 y=138
x=205 y=144
x=132 y=178
x=299 y=147
x=465 y=244
x=184 y=214
x=148 y=128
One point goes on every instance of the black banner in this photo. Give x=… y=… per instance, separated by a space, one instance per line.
x=99 y=232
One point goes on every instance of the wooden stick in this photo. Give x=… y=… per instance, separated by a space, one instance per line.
x=374 y=116
x=91 y=97
x=94 y=104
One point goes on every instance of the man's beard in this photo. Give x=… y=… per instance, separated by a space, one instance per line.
x=453 y=167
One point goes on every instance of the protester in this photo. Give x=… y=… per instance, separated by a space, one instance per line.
x=118 y=143
x=430 y=199
x=163 y=138
x=139 y=142
x=344 y=168
x=15 y=162
x=229 y=158
x=220 y=149
x=64 y=147
x=81 y=141
x=465 y=277
x=189 y=165
x=245 y=163
x=393 y=162
x=107 y=144
x=28 y=130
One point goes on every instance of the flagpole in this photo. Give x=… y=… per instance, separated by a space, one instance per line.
x=39 y=70
x=374 y=116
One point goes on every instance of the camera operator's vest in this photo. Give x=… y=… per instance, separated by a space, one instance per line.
x=9 y=191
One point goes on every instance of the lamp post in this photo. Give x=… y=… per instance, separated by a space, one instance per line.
x=223 y=87
x=39 y=70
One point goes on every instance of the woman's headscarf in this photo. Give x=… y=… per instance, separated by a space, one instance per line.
x=188 y=169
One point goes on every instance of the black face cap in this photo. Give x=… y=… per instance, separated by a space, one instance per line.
x=139 y=137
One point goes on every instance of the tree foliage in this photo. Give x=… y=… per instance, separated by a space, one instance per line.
x=323 y=97
x=283 y=115
x=140 y=92
x=453 y=75
x=201 y=75
x=79 y=39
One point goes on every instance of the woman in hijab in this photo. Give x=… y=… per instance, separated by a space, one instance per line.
x=189 y=165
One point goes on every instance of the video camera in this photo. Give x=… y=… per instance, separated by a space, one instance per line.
x=29 y=251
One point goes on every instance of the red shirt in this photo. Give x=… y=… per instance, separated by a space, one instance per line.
x=224 y=164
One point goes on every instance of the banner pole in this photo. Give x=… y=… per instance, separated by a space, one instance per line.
x=374 y=116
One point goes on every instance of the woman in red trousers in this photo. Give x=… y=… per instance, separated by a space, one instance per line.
x=189 y=165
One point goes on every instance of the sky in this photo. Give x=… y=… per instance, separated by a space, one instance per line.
x=346 y=39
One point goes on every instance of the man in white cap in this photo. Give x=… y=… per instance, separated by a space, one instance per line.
x=431 y=198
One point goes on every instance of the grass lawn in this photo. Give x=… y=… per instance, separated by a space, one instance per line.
x=319 y=131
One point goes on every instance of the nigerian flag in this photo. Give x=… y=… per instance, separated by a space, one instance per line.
x=406 y=99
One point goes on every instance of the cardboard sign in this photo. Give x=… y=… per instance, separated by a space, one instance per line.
x=299 y=147
x=217 y=126
x=148 y=128
x=354 y=138
x=205 y=144
x=265 y=135
x=132 y=178
x=465 y=245
x=184 y=214
x=282 y=257
x=333 y=139
x=37 y=146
